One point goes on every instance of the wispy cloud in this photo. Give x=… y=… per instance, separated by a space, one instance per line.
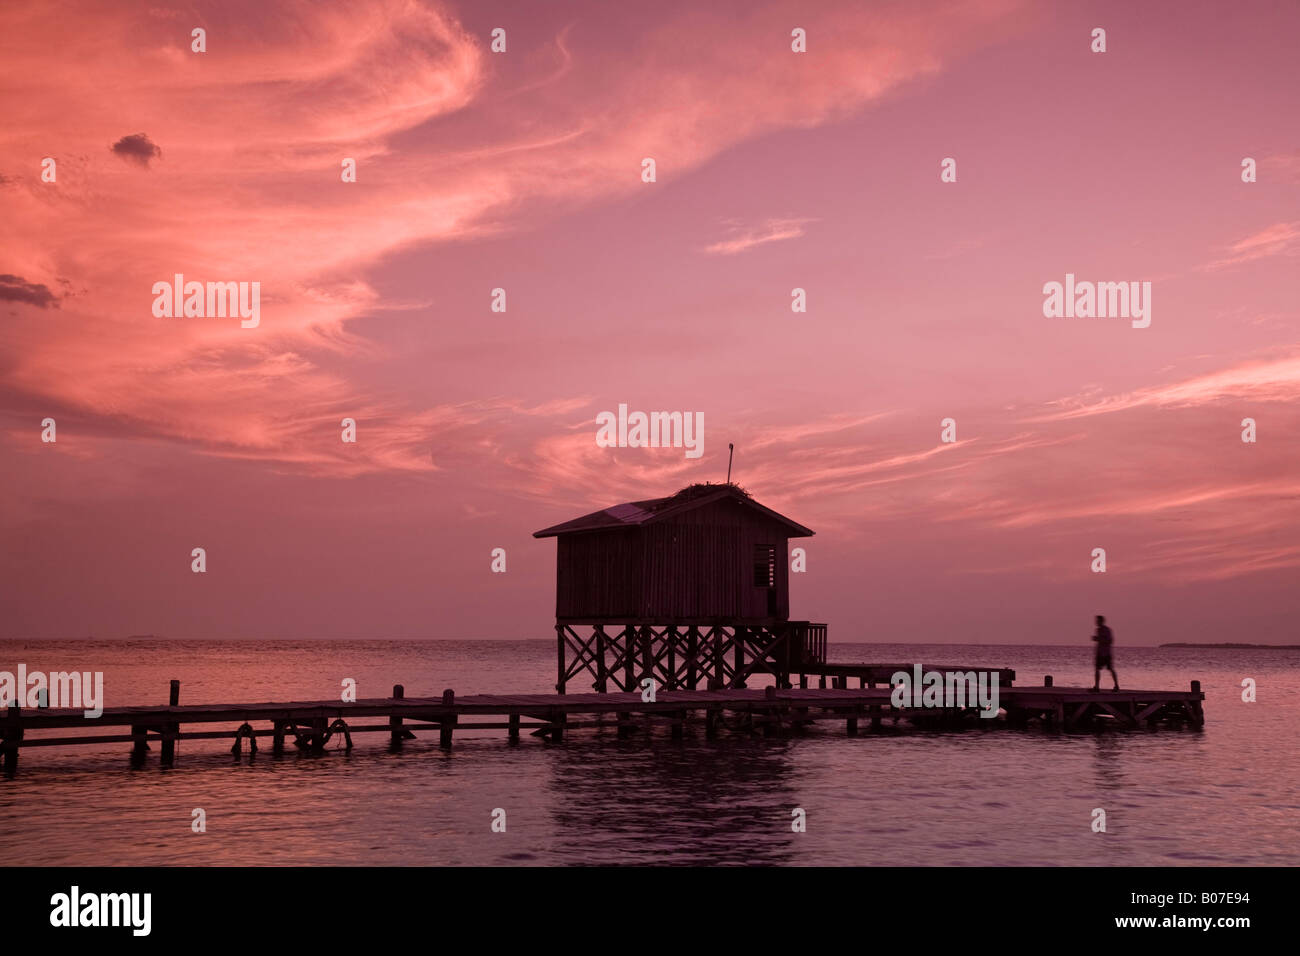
x=1279 y=239
x=1269 y=380
x=744 y=238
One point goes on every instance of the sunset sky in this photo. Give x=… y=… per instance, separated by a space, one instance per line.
x=775 y=170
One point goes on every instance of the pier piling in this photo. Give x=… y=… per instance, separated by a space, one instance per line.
x=170 y=729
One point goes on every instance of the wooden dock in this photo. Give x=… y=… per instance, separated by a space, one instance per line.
x=310 y=725
x=869 y=675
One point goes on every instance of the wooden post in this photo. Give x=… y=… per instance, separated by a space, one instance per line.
x=277 y=739
x=13 y=734
x=624 y=725
x=679 y=724
x=557 y=730
x=738 y=640
x=559 y=656
x=601 y=673
x=692 y=652
x=851 y=725
x=715 y=679
x=513 y=733
x=449 y=721
x=803 y=681
x=395 y=722
x=1198 y=711
x=711 y=722
x=629 y=656
x=171 y=728
x=647 y=661
x=1047 y=681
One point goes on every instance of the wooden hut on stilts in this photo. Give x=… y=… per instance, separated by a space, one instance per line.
x=692 y=590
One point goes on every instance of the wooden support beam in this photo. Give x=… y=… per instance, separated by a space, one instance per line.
x=513 y=733
x=559 y=650
x=395 y=723
x=716 y=679
x=448 y=725
x=692 y=652
x=170 y=729
x=602 y=675
x=13 y=735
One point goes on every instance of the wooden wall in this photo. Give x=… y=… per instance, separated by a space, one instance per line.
x=699 y=565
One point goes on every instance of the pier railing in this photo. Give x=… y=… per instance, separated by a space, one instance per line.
x=812 y=639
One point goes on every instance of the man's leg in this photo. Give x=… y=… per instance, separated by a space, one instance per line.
x=1113 y=675
x=1096 y=676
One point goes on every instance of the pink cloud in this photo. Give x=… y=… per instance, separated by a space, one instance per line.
x=742 y=239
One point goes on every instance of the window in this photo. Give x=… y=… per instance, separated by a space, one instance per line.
x=764 y=566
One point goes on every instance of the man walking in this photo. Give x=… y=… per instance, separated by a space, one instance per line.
x=1105 y=639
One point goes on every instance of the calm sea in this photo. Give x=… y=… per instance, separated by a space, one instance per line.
x=1227 y=795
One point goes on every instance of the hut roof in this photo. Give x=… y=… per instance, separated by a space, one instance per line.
x=635 y=513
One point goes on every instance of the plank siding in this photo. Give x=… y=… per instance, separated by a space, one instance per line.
x=697 y=565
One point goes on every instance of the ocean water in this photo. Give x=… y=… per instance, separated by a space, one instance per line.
x=1229 y=794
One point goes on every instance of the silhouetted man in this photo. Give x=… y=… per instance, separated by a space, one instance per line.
x=1104 y=639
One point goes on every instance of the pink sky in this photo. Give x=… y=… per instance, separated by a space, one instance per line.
x=775 y=170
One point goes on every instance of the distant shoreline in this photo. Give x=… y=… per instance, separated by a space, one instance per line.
x=1266 y=647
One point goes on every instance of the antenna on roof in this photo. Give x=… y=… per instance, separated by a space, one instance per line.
x=731 y=452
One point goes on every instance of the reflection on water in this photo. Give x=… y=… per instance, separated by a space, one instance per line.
x=990 y=797
x=694 y=802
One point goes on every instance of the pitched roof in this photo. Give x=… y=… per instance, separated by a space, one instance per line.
x=636 y=513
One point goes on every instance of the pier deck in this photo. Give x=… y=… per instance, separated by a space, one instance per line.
x=309 y=725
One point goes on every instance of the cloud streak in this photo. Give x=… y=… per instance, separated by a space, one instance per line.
x=773 y=230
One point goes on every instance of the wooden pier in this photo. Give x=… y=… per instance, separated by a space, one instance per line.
x=310 y=725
